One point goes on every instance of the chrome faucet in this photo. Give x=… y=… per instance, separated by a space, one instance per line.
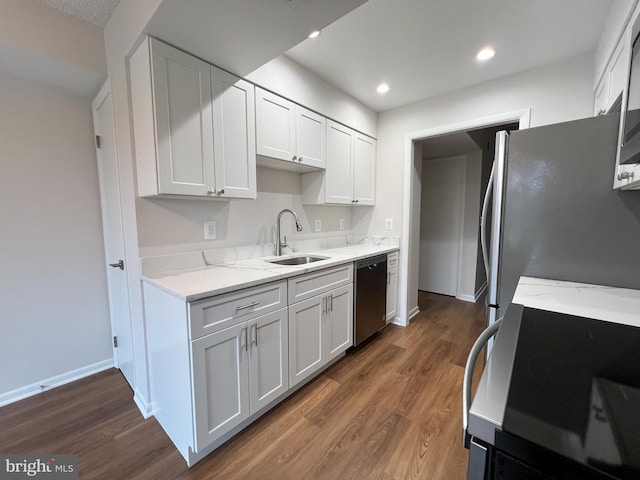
x=279 y=244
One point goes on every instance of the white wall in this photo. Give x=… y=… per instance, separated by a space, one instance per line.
x=465 y=245
x=53 y=296
x=554 y=93
x=169 y=226
x=44 y=45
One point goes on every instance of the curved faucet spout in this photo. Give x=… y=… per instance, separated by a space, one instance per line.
x=280 y=244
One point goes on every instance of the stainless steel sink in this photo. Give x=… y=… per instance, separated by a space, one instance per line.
x=298 y=260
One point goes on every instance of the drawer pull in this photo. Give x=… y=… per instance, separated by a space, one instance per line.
x=250 y=305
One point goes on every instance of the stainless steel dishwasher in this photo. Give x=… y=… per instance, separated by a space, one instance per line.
x=370 y=307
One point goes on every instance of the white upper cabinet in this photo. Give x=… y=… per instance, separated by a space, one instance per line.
x=364 y=170
x=234 y=135
x=193 y=126
x=289 y=133
x=350 y=175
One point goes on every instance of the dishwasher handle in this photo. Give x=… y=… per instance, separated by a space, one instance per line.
x=484 y=337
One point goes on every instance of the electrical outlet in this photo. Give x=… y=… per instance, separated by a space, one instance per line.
x=342 y=224
x=388 y=223
x=318 y=225
x=209 y=230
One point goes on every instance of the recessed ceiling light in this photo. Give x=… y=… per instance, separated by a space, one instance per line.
x=383 y=88
x=486 y=53
x=314 y=34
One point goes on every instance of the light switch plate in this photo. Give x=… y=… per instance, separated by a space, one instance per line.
x=388 y=224
x=209 y=230
x=318 y=226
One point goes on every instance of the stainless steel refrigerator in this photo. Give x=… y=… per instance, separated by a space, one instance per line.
x=551 y=211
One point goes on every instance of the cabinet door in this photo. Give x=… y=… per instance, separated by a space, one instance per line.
x=268 y=358
x=618 y=73
x=234 y=136
x=364 y=166
x=392 y=295
x=339 y=174
x=184 y=121
x=306 y=338
x=311 y=130
x=220 y=383
x=275 y=126
x=339 y=321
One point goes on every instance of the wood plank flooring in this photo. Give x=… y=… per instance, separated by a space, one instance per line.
x=388 y=411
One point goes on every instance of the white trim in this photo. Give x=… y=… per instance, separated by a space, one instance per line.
x=521 y=116
x=145 y=407
x=53 y=382
x=414 y=311
x=481 y=291
x=461 y=219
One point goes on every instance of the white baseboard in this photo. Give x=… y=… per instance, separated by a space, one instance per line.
x=52 y=382
x=472 y=298
x=466 y=298
x=412 y=313
x=145 y=407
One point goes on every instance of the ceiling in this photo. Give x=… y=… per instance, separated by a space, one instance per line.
x=421 y=48
x=97 y=12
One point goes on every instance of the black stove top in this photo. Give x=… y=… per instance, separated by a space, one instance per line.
x=575 y=390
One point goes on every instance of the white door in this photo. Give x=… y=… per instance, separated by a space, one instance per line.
x=306 y=338
x=184 y=121
x=339 y=321
x=234 y=135
x=364 y=170
x=338 y=186
x=220 y=382
x=275 y=126
x=311 y=132
x=441 y=215
x=268 y=358
x=112 y=233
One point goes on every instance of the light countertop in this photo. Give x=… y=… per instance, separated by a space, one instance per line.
x=619 y=305
x=205 y=281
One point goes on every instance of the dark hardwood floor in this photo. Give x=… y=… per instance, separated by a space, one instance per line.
x=391 y=410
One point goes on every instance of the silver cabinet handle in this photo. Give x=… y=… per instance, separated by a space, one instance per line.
x=602 y=111
x=250 y=305
x=295 y=157
x=119 y=265
x=625 y=175
x=211 y=191
x=254 y=341
x=300 y=159
x=324 y=306
x=246 y=339
x=331 y=302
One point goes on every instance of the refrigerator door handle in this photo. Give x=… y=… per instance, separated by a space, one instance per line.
x=484 y=337
x=484 y=238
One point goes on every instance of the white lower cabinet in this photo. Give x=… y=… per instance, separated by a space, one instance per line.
x=218 y=363
x=236 y=372
x=392 y=286
x=320 y=327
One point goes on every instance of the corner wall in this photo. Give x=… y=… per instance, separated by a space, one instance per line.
x=54 y=312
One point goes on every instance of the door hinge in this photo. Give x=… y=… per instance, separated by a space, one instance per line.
x=115 y=342
x=98 y=141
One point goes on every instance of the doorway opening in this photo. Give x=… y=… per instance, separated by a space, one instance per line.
x=465 y=274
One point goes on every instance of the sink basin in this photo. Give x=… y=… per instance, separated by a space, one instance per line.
x=298 y=260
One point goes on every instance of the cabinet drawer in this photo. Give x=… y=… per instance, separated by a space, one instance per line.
x=392 y=261
x=222 y=311
x=316 y=283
